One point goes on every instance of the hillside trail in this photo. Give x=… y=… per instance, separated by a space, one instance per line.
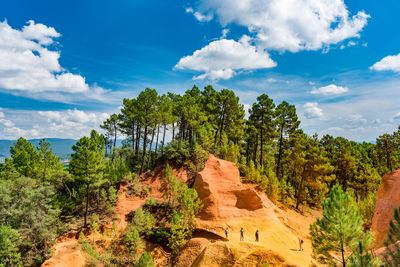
x=279 y=228
x=67 y=252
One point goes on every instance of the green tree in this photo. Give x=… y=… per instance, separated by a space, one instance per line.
x=362 y=258
x=178 y=233
x=287 y=123
x=309 y=166
x=87 y=163
x=387 y=146
x=133 y=242
x=262 y=117
x=50 y=167
x=392 y=255
x=111 y=126
x=26 y=206
x=9 y=241
x=25 y=157
x=142 y=221
x=146 y=104
x=339 y=231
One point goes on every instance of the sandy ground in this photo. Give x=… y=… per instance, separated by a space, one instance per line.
x=66 y=253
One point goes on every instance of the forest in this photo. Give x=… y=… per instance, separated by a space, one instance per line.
x=41 y=199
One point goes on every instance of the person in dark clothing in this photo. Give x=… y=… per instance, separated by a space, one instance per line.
x=257 y=236
x=241 y=234
x=300 y=244
x=226 y=232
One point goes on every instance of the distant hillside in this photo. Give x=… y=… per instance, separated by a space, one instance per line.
x=62 y=147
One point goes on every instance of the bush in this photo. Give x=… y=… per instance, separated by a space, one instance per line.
x=177 y=151
x=145 y=260
x=133 y=242
x=137 y=189
x=9 y=241
x=367 y=206
x=142 y=221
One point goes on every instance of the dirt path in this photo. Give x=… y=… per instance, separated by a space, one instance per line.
x=66 y=253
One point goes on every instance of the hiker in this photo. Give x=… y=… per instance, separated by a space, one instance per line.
x=226 y=232
x=207 y=229
x=214 y=231
x=257 y=236
x=300 y=243
x=241 y=234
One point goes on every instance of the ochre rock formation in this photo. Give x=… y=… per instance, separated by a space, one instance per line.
x=222 y=193
x=388 y=199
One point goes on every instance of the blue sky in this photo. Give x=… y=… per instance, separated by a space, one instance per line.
x=66 y=65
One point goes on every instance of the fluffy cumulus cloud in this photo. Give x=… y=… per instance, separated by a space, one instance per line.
x=312 y=110
x=291 y=25
x=30 y=66
x=72 y=123
x=222 y=59
x=388 y=63
x=330 y=90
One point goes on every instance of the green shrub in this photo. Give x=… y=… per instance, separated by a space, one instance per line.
x=142 y=221
x=145 y=260
x=177 y=151
x=133 y=242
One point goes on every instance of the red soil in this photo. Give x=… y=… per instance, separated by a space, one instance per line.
x=388 y=199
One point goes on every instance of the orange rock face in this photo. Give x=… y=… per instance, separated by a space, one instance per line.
x=222 y=193
x=388 y=199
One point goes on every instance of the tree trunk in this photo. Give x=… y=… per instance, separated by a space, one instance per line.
x=158 y=133
x=163 y=139
x=151 y=145
x=343 y=260
x=144 y=150
x=115 y=137
x=190 y=135
x=87 y=205
x=278 y=163
x=173 y=131
x=299 y=190
x=248 y=151
x=261 y=145
x=137 y=140
x=133 y=136
x=255 y=151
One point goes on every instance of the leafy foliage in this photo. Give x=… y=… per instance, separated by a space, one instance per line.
x=392 y=255
x=339 y=231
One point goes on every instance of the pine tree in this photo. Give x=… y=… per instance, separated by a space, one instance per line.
x=287 y=123
x=392 y=255
x=363 y=258
x=87 y=163
x=25 y=157
x=339 y=231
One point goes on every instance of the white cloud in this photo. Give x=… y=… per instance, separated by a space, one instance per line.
x=73 y=115
x=329 y=90
x=311 y=110
x=6 y=123
x=199 y=16
x=388 y=63
x=396 y=117
x=291 y=25
x=28 y=67
x=71 y=123
x=224 y=33
x=221 y=59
